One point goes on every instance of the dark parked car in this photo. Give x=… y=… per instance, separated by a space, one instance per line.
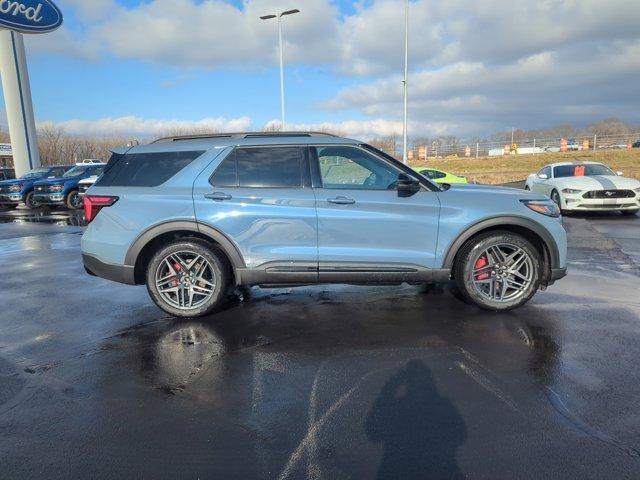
x=636 y=144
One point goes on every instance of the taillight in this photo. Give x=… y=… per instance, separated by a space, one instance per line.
x=94 y=203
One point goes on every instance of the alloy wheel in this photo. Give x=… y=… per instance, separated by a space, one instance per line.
x=502 y=273
x=185 y=280
x=75 y=200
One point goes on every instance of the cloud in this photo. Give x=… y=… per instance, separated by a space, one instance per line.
x=475 y=66
x=214 y=34
x=132 y=126
x=574 y=85
x=89 y=10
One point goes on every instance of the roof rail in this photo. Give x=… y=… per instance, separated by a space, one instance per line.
x=242 y=135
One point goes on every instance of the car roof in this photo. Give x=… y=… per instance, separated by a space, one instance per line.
x=575 y=162
x=222 y=140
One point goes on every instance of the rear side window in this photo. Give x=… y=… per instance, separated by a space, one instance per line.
x=144 y=169
x=268 y=167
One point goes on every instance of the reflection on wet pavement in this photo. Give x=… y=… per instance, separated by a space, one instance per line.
x=318 y=382
x=56 y=216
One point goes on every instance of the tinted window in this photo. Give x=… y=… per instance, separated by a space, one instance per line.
x=581 y=170
x=269 y=167
x=144 y=169
x=226 y=175
x=353 y=168
x=545 y=171
x=35 y=173
x=76 y=172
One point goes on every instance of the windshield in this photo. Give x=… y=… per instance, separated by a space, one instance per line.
x=76 y=171
x=581 y=170
x=36 y=173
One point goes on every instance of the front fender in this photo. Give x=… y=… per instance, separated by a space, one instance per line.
x=504 y=221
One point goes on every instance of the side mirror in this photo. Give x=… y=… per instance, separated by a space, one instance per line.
x=619 y=174
x=407 y=185
x=543 y=176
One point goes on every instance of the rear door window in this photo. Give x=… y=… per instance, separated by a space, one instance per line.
x=261 y=167
x=144 y=169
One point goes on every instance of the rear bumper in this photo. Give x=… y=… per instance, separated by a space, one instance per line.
x=116 y=273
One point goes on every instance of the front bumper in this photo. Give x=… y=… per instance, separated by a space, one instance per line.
x=116 y=273
x=11 y=198
x=577 y=203
x=49 y=198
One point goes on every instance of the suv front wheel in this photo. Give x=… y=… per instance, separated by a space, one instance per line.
x=498 y=270
x=187 y=278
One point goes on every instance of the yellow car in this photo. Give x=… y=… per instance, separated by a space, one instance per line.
x=439 y=176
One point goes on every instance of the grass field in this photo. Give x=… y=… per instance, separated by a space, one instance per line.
x=513 y=168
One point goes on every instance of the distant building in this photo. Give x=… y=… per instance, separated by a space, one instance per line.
x=6 y=155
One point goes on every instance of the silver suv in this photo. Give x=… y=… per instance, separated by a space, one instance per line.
x=193 y=217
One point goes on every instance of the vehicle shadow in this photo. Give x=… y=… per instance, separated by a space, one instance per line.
x=420 y=430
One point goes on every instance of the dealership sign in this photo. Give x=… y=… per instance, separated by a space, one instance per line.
x=30 y=16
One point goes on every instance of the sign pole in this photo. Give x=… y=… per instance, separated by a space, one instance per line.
x=17 y=99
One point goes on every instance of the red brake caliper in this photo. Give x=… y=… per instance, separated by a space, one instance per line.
x=481 y=262
x=177 y=268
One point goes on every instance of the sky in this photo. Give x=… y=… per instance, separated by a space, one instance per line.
x=142 y=68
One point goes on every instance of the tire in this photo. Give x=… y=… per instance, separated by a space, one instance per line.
x=29 y=201
x=215 y=277
x=73 y=200
x=485 y=289
x=555 y=196
x=629 y=212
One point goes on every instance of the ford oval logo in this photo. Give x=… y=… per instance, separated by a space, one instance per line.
x=30 y=16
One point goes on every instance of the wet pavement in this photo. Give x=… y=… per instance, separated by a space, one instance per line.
x=323 y=382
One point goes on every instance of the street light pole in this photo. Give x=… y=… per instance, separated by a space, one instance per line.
x=279 y=17
x=281 y=72
x=406 y=80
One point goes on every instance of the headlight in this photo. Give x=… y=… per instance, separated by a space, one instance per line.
x=545 y=207
x=570 y=190
x=56 y=188
x=15 y=188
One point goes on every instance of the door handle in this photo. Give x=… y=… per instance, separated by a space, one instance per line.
x=219 y=196
x=341 y=200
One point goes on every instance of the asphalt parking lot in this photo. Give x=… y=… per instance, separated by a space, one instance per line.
x=319 y=383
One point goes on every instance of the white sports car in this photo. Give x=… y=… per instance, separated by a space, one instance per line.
x=586 y=186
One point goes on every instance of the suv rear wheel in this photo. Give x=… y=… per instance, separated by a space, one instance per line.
x=187 y=278
x=498 y=270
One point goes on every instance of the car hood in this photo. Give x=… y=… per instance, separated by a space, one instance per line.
x=91 y=179
x=13 y=181
x=598 y=182
x=53 y=181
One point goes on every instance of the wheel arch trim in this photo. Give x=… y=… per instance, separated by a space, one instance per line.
x=229 y=248
x=503 y=221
